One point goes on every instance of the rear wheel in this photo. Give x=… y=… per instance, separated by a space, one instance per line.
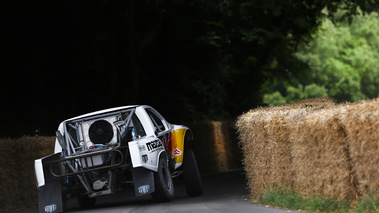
x=164 y=187
x=192 y=179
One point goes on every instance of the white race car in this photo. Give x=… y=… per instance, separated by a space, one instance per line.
x=103 y=152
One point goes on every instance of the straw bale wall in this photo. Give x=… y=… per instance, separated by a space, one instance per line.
x=361 y=121
x=314 y=146
x=17 y=179
x=215 y=147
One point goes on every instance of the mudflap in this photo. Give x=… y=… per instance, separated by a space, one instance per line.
x=143 y=181
x=50 y=195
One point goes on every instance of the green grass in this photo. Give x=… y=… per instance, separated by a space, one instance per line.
x=288 y=199
x=284 y=198
x=323 y=204
x=368 y=204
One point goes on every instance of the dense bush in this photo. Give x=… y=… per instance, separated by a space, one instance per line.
x=342 y=60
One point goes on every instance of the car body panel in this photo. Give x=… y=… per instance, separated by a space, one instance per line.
x=177 y=144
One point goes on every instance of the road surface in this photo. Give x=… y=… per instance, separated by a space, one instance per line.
x=223 y=192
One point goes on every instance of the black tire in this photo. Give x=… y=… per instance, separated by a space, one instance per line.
x=164 y=187
x=86 y=202
x=191 y=176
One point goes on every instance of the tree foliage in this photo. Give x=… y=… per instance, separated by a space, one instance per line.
x=342 y=60
x=192 y=60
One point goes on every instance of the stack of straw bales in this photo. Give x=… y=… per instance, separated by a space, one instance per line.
x=17 y=179
x=323 y=148
x=215 y=146
x=361 y=121
x=314 y=146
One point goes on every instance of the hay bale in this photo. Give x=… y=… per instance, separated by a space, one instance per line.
x=331 y=149
x=301 y=152
x=274 y=145
x=318 y=149
x=314 y=103
x=215 y=146
x=17 y=176
x=329 y=154
x=223 y=155
x=6 y=164
x=225 y=146
x=279 y=144
x=252 y=135
x=361 y=121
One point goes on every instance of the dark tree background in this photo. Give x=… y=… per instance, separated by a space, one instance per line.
x=191 y=60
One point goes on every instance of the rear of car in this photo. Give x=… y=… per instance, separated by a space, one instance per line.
x=103 y=152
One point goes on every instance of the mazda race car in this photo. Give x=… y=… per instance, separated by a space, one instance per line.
x=104 y=152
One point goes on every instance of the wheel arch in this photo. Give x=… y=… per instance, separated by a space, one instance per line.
x=162 y=154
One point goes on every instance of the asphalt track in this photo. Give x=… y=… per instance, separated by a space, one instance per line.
x=223 y=192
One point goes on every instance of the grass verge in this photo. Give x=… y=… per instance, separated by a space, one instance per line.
x=368 y=204
x=284 y=198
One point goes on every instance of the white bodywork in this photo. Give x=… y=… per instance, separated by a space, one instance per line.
x=140 y=148
x=39 y=172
